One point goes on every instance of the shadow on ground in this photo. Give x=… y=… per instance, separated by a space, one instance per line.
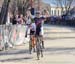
x=15 y=59
x=47 y=51
x=50 y=50
x=14 y=52
x=57 y=51
x=56 y=38
x=59 y=32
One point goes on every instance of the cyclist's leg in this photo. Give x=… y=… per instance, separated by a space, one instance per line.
x=33 y=42
x=32 y=33
x=42 y=34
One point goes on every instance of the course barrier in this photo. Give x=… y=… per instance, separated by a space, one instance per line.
x=12 y=35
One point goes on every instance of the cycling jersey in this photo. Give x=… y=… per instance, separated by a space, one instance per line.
x=38 y=22
x=33 y=27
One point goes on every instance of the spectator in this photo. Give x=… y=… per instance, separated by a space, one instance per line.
x=28 y=21
x=14 y=20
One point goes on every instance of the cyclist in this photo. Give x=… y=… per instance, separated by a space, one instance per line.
x=32 y=32
x=39 y=20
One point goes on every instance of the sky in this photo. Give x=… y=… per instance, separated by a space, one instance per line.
x=46 y=1
x=49 y=2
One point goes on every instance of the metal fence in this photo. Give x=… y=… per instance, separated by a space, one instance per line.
x=11 y=35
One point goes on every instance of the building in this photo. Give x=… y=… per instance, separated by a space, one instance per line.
x=53 y=10
x=56 y=11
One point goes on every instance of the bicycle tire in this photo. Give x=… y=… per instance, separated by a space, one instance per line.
x=38 y=48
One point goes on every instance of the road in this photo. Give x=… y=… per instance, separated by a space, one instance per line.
x=59 y=48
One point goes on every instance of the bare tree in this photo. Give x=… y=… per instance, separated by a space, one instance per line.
x=13 y=6
x=23 y=6
x=19 y=6
x=64 y=4
x=4 y=11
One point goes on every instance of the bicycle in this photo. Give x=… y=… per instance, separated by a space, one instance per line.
x=39 y=49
